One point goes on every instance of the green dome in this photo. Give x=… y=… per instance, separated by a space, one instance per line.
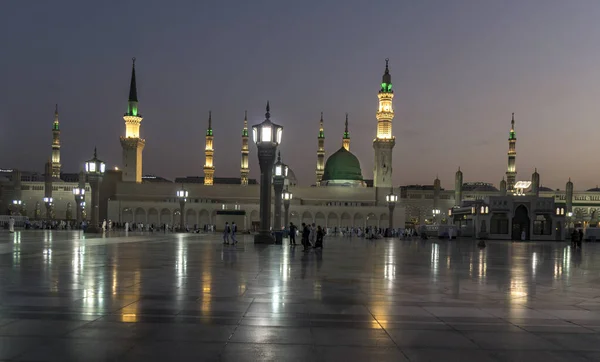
x=342 y=165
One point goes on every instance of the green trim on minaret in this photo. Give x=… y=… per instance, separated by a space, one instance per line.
x=386 y=81
x=245 y=129
x=132 y=103
x=209 y=130
x=56 y=125
x=346 y=133
x=512 y=135
x=321 y=131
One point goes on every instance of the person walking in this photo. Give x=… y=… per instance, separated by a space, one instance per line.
x=313 y=235
x=320 y=236
x=305 y=235
x=293 y=229
x=226 y=232
x=233 y=231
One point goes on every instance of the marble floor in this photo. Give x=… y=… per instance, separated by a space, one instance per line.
x=186 y=297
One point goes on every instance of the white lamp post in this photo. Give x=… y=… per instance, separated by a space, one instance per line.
x=79 y=194
x=267 y=136
x=182 y=196
x=281 y=171
x=95 y=171
x=391 y=200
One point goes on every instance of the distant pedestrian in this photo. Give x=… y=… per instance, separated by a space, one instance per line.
x=305 y=235
x=226 y=232
x=293 y=229
x=580 y=241
x=233 y=231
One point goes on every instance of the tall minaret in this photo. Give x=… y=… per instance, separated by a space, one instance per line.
x=245 y=170
x=346 y=138
x=385 y=141
x=511 y=172
x=437 y=186
x=131 y=143
x=458 y=182
x=320 y=152
x=535 y=183
x=56 y=145
x=209 y=168
x=569 y=196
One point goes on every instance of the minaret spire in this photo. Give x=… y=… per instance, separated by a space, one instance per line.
x=384 y=142
x=346 y=137
x=132 y=143
x=320 y=152
x=56 y=166
x=209 y=168
x=511 y=171
x=245 y=168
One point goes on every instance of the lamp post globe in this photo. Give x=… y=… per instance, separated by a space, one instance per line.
x=16 y=207
x=391 y=200
x=279 y=175
x=267 y=136
x=94 y=169
x=79 y=195
x=182 y=196
x=48 y=201
x=287 y=197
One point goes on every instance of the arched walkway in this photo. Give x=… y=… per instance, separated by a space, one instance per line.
x=332 y=220
x=520 y=223
x=372 y=220
x=204 y=218
x=140 y=215
x=320 y=219
x=127 y=215
x=153 y=216
x=359 y=220
x=346 y=220
x=307 y=217
x=190 y=217
x=165 y=216
x=295 y=218
x=384 y=221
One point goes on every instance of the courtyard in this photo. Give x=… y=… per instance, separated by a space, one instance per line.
x=66 y=296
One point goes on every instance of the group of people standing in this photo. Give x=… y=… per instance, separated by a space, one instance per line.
x=312 y=236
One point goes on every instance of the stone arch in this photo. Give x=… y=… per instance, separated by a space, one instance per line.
x=384 y=221
x=165 y=216
x=307 y=217
x=213 y=217
x=153 y=216
x=140 y=215
x=190 y=217
x=176 y=219
x=204 y=217
x=254 y=217
x=69 y=213
x=127 y=215
x=359 y=220
x=332 y=220
x=320 y=219
x=372 y=220
x=295 y=217
x=346 y=220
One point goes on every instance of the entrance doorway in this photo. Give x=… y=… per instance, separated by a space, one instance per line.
x=520 y=223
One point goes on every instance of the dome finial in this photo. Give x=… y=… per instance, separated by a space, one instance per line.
x=279 y=156
x=56 y=108
x=95 y=153
x=387 y=69
x=209 y=119
x=268 y=114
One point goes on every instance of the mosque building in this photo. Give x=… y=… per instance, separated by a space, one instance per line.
x=341 y=196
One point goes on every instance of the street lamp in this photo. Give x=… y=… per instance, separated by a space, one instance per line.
x=267 y=136
x=287 y=197
x=391 y=199
x=279 y=176
x=48 y=202
x=182 y=196
x=79 y=194
x=95 y=170
x=436 y=212
x=16 y=206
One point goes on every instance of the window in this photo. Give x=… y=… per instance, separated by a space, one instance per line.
x=542 y=225
x=499 y=224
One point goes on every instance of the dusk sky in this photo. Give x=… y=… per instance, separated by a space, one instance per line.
x=459 y=69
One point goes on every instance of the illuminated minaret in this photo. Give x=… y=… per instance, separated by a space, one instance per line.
x=209 y=168
x=320 y=152
x=511 y=172
x=131 y=143
x=56 y=145
x=245 y=170
x=569 y=196
x=385 y=141
x=346 y=138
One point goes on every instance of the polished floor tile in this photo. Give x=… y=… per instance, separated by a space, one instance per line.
x=66 y=296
